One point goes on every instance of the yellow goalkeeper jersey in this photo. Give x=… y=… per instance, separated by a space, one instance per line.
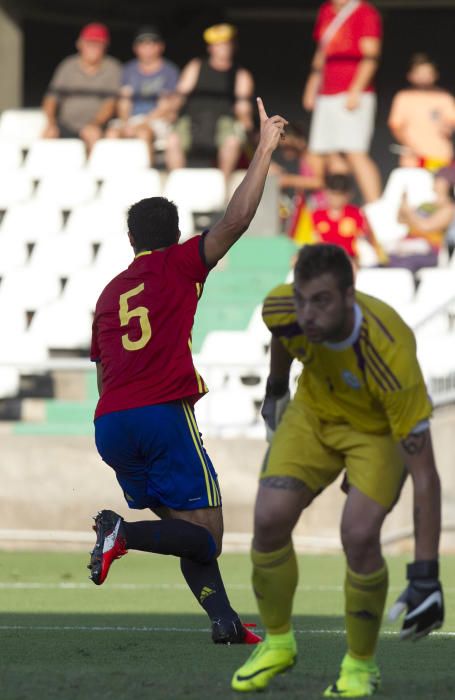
x=372 y=380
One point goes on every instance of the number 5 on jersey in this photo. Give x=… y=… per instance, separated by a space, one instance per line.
x=140 y=312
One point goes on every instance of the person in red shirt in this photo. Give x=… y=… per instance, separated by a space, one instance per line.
x=342 y=223
x=145 y=427
x=340 y=89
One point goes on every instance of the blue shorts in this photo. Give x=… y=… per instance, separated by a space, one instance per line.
x=158 y=457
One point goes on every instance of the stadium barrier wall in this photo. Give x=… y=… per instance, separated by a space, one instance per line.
x=51 y=485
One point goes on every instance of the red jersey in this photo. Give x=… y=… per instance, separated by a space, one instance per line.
x=343 y=53
x=142 y=329
x=343 y=231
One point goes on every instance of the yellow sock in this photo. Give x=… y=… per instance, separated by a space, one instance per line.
x=364 y=606
x=275 y=578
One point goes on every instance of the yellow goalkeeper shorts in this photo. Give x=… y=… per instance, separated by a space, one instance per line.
x=315 y=452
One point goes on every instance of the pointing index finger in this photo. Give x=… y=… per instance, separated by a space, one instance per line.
x=261 y=109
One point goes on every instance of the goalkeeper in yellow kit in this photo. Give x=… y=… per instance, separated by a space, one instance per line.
x=360 y=406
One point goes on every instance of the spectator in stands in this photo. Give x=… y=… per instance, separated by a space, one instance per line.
x=340 y=89
x=422 y=118
x=301 y=188
x=428 y=225
x=214 y=96
x=342 y=223
x=144 y=109
x=291 y=162
x=82 y=93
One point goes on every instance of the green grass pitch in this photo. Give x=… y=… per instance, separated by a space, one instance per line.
x=141 y=636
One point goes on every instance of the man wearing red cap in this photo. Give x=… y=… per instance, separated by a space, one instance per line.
x=81 y=96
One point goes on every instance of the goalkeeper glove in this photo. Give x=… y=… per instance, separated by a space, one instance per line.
x=423 y=600
x=276 y=399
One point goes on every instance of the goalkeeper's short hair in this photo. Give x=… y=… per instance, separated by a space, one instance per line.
x=316 y=260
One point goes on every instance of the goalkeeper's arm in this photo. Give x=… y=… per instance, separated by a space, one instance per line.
x=277 y=390
x=417 y=450
x=422 y=600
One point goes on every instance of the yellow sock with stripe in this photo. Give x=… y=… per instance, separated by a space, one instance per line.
x=275 y=577
x=364 y=606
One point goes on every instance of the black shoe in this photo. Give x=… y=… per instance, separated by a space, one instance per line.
x=233 y=632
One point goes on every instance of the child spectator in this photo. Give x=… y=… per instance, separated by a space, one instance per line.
x=342 y=223
x=422 y=118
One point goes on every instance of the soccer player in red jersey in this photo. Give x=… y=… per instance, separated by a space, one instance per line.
x=145 y=427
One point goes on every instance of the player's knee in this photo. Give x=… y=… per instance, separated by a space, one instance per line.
x=270 y=530
x=218 y=544
x=144 y=133
x=358 y=539
x=206 y=547
x=231 y=143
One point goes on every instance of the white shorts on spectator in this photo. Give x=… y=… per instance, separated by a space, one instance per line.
x=336 y=129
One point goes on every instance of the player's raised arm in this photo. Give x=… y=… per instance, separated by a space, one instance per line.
x=245 y=200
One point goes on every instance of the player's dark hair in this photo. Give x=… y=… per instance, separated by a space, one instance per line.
x=153 y=223
x=316 y=260
x=339 y=182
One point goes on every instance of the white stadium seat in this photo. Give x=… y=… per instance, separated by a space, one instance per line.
x=225 y=412
x=84 y=287
x=436 y=285
x=111 y=156
x=9 y=382
x=31 y=221
x=436 y=354
x=10 y=156
x=435 y=301
x=28 y=289
x=15 y=320
x=22 y=126
x=416 y=183
x=257 y=328
x=382 y=218
x=114 y=256
x=68 y=190
x=15 y=186
x=231 y=347
x=197 y=189
x=125 y=188
x=13 y=253
x=382 y=215
x=61 y=255
x=62 y=325
x=23 y=349
x=186 y=224
x=228 y=357
x=395 y=286
x=96 y=221
x=49 y=156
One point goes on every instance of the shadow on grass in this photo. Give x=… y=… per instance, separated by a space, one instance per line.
x=130 y=656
